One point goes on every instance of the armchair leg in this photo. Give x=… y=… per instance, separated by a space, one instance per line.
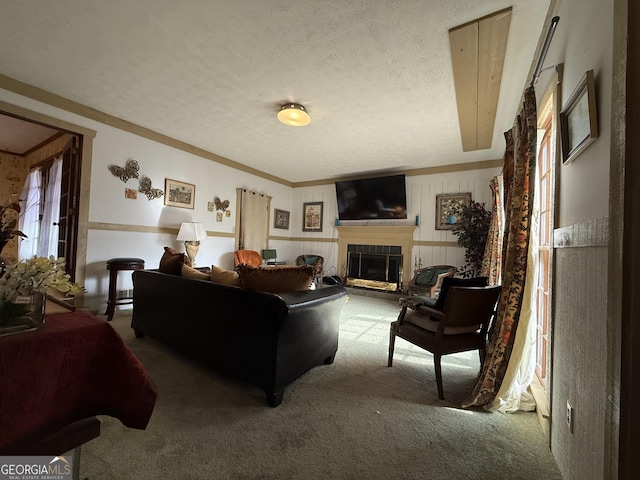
x=392 y=343
x=436 y=361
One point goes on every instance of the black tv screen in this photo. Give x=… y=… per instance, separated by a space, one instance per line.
x=371 y=198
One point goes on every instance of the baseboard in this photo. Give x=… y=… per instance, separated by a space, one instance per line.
x=543 y=409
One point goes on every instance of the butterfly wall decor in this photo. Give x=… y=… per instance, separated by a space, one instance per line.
x=151 y=193
x=221 y=205
x=130 y=170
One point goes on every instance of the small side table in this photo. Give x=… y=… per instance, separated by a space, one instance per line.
x=115 y=265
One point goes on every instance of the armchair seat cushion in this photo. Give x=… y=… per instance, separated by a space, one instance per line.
x=421 y=318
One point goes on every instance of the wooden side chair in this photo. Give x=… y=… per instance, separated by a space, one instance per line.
x=460 y=326
x=270 y=257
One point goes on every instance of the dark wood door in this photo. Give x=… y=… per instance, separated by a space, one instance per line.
x=69 y=200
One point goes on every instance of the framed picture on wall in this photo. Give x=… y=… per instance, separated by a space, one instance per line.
x=449 y=207
x=179 y=194
x=281 y=219
x=579 y=119
x=312 y=217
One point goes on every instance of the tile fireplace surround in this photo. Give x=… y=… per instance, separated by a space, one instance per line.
x=401 y=235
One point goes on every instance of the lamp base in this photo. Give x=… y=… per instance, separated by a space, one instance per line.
x=192 y=247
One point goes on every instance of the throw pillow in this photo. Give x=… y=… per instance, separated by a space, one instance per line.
x=190 y=272
x=458 y=282
x=276 y=279
x=172 y=261
x=225 y=277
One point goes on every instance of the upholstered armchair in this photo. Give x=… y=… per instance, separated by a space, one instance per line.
x=247 y=257
x=460 y=326
x=428 y=281
x=316 y=260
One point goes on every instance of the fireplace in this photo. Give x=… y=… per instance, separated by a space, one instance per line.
x=374 y=266
x=401 y=235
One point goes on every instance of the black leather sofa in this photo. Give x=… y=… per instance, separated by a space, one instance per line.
x=264 y=339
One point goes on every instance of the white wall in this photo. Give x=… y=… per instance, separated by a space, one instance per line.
x=421 y=201
x=583 y=41
x=108 y=204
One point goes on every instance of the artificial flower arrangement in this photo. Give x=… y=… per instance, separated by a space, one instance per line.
x=31 y=278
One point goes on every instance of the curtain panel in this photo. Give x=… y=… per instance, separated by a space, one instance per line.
x=492 y=260
x=519 y=176
x=29 y=220
x=253 y=220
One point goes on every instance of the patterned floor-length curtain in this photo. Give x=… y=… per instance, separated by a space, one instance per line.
x=253 y=220
x=492 y=260
x=518 y=185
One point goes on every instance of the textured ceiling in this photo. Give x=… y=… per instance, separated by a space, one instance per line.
x=375 y=76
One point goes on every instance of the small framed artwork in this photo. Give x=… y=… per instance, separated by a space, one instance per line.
x=312 y=217
x=179 y=194
x=579 y=119
x=449 y=206
x=281 y=219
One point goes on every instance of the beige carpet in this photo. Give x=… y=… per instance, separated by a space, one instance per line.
x=355 y=419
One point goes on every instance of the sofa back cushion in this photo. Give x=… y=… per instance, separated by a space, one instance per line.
x=278 y=279
x=225 y=277
x=172 y=261
x=190 y=272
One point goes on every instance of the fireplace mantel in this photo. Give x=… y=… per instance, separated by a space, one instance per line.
x=401 y=235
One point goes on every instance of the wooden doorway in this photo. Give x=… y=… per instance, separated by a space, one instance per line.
x=35 y=145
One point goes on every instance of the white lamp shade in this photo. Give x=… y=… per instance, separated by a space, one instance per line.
x=191 y=231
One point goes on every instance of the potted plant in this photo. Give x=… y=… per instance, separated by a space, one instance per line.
x=23 y=289
x=8 y=222
x=472 y=229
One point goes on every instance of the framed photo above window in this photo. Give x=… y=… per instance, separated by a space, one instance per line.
x=179 y=194
x=579 y=119
x=281 y=219
x=449 y=207
x=312 y=217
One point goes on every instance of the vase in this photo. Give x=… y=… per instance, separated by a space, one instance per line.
x=29 y=315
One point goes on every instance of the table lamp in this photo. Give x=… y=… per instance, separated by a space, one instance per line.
x=191 y=233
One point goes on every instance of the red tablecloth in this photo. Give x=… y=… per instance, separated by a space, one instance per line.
x=75 y=367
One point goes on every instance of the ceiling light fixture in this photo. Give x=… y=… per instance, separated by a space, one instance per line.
x=294 y=115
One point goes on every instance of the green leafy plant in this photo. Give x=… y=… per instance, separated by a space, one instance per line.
x=472 y=229
x=8 y=222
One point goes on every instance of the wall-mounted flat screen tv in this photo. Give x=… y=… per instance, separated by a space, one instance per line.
x=372 y=198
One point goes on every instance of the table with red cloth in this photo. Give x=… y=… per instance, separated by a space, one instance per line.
x=75 y=367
